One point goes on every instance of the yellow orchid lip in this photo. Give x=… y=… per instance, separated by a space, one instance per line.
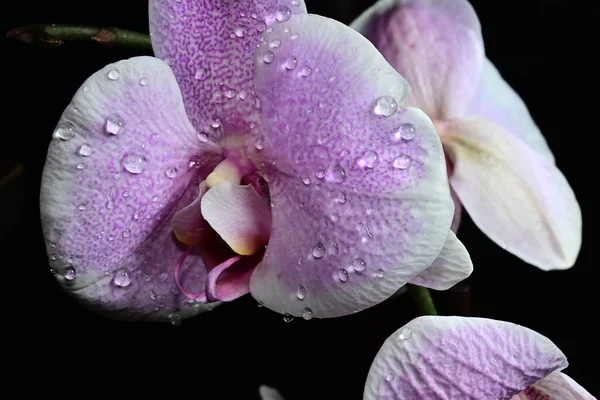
x=232 y=169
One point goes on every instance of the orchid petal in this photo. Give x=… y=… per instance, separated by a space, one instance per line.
x=451 y=266
x=239 y=215
x=361 y=202
x=518 y=198
x=115 y=174
x=435 y=44
x=556 y=386
x=230 y=279
x=268 y=393
x=496 y=101
x=189 y=226
x=458 y=358
x=209 y=45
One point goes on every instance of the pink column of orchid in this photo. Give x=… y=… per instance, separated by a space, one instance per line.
x=501 y=169
x=262 y=151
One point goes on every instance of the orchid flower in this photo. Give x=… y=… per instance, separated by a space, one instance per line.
x=262 y=150
x=501 y=168
x=469 y=358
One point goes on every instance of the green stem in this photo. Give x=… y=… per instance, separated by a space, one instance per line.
x=423 y=300
x=55 y=35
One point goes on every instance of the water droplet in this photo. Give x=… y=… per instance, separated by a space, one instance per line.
x=287 y=318
x=261 y=26
x=110 y=204
x=260 y=304
x=152 y=295
x=386 y=106
x=114 y=125
x=405 y=333
x=318 y=251
x=81 y=166
x=403 y=161
x=290 y=63
x=113 y=75
x=240 y=32
x=275 y=44
x=306 y=71
x=301 y=293
x=70 y=273
x=201 y=74
x=82 y=207
x=175 y=319
x=133 y=163
x=259 y=143
x=359 y=264
x=125 y=194
x=306 y=181
x=85 y=150
x=111 y=238
x=230 y=93
x=171 y=172
x=170 y=60
x=295 y=36
x=380 y=273
x=306 y=313
x=341 y=198
x=334 y=249
x=53 y=271
x=86 y=88
x=121 y=278
x=243 y=94
x=320 y=174
x=283 y=13
x=389 y=377
x=53 y=257
x=138 y=214
x=64 y=131
x=268 y=57
x=406 y=132
x=126 y=233
x=144 y=81
x=369 y=160
x=216 y=123
x=336 y=173
x=343 y=275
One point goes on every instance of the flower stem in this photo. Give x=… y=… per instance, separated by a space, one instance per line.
x=51 y=36
x=423 y=300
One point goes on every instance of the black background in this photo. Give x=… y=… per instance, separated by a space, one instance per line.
x=545 y=49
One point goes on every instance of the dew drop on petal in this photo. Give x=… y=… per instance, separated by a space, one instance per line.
x=259 y=143
x=307 y=313
x=64 y=131
x=138 y=214
x=380 y=273
x=110 y=205
x=407 y=131
x=53 y=257
x=306 y=181
x=216 y=123
x=342 y=275
x=301 y=292
x=405 y=333
x=359 y=264
x=306 y=71
x=386 y=106
x=275 y=44
x=113 y=75
x=283 y=14
x=287 y=318
x=126 y=233
x=203 y=137
x=82 y=207
x=230 y=93
x=171 y=172
x=201 y=74
x=268 y=57
x=122 y=278
x=261 y=26
x=126 y=194
x=133 y=163
x=336 y=173
x=389 y=377
x=81 y=166
x=85 y=150
x=341 y=198
x=291 y=63
x=320 y=174
x=403 y=161
x=144 y=81
x=334 y=249
x=318 y=251
x=260 y=304
x=70 y=273
x=240 y=32
x=369 y=160
x=114 y=124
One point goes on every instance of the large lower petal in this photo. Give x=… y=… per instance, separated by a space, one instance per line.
x=556 y=386
x=514 y=195
x=497 y=101
x=209 y=45
x=435 y=44
x=443 y=358
x=360 y=201
x=117 y=170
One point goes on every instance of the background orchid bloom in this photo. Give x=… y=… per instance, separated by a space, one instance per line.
x=458 y=357
x=166 y=179
x=501 y=168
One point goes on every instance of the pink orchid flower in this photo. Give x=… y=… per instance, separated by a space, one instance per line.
x=441 y=358
x=501 y=168
x=271 y=153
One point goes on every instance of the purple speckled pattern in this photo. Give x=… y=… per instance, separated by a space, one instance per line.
x=556 y=386
x=349 y=228
x=209 y=44
x=108 y=230
x=447 y=358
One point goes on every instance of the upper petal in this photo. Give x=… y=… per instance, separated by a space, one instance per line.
x=115 y=174
x=497 y=101
x=556 y=386
x=513 y=194
x=361 y=202
x=435 y=44
x=443 y=358
x=209 y=45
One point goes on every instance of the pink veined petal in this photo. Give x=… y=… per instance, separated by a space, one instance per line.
x=514 y=195
x=209 y=45
x=115 y=174
x=361 y=202
x=496 y=101
x=435 y=44
x=451 y=266
x=239 y=215
x=189 y=226
x=443 y=358
x=556 y=386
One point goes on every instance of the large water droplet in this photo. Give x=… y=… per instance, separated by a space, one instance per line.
x=70 y=273
x=336 y=173
x=171 y=172
x=261 y=26
x=275 y=44
x=407 y=131
x=201 y=74
x=389 y=377
x=359 y=264
x=268 y=57
x=114 y=124
x=307 y=313
x=138 y=214
x=403 y=161
x=290 y=63
x=230 y=93
x=216 y=123
x=318 y=251
x=110 y=204
x=240 y=31
x=301 y=293
x=113 y=75
x=133 y=163
x=306 y=181
x=144 y=81
x=287 y=318
x=64 y=131
x=369 y=160
x=283 y=14
x=306 y=71
x=342 y=275
x=320 y=174
x=405 y=333
x=121 y=278
x=85 y=150
x=386 y=106
x=259 y=143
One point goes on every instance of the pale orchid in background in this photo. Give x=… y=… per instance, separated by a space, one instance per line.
x=500 y=166
x=442 y=358
x=270 y=152
x=269 y=393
